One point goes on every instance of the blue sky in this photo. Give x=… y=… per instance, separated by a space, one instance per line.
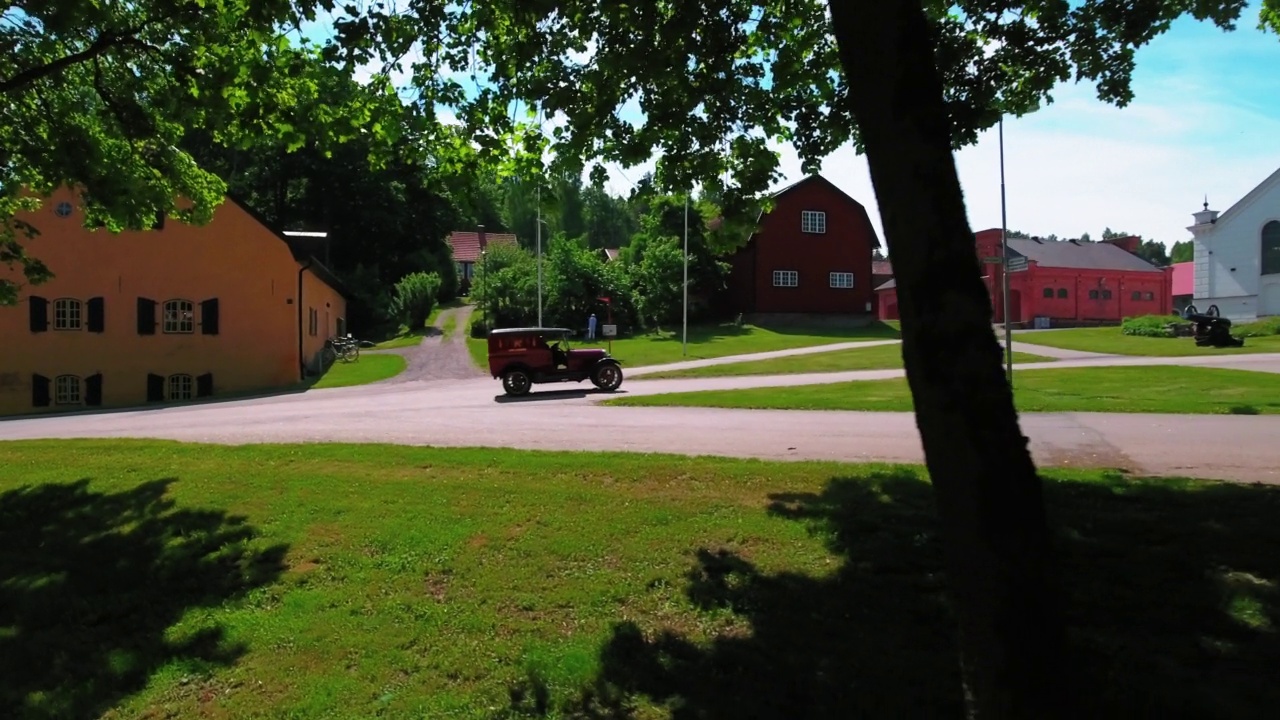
x=1205 y=120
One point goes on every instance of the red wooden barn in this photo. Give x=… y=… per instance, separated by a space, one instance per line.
x=1064 y=280
x=810 y=254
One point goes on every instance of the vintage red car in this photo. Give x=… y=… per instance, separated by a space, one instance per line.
x=522 y=357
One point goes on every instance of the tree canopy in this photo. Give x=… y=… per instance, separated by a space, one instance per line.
x=99 y=96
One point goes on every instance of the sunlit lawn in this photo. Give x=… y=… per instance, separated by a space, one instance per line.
x=876 y=357
x=1110 y=340
x=711 y=341
x=149 y=579
x=369 y=368
x=1154 y=389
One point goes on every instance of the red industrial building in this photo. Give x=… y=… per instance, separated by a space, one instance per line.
x=811 y=254
x=1064 y=280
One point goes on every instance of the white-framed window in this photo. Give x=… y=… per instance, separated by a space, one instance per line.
x=181 y=387
x=66 y=390
x=786 y=278
x=813 y=221
x=66 y=314
x=842 y=280
x=179 y=316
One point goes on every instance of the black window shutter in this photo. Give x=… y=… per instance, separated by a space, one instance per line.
x=155 y=388
x=97 y=316
x=204 y=385
x=39 y=313
x=146 y=316
x=209 y=317
x=39 y=391
x=93 y=389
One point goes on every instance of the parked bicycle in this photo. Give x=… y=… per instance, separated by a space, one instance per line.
x=346 y=349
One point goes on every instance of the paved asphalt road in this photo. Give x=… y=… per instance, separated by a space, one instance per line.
x=473 y=413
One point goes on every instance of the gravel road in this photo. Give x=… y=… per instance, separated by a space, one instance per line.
x=439 y=357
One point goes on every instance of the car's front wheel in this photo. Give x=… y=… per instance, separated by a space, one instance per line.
x=516 y=382
x=607 y=376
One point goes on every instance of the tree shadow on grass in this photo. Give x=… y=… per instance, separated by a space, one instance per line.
x=91 y=583
x=1170 y=589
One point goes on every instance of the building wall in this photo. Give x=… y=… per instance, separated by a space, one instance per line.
x=1228 y=259
x=324 y=309
x=239 y=277
x=780 y=244
x=1097 y=295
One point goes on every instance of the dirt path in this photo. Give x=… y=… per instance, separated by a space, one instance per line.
x=439 y=357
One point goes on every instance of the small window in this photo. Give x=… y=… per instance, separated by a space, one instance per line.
x=1093 y=294
x=66 y=390
x=813 y=221
x=181 y=387
x=1106 y=294
x=1048 y=292
x=179 y=316
x=66 y=314
x=1062 y=293
x=1149 y=296
x=786 y=278
x=841 y=280
x=1137 y=295
x=63 y=209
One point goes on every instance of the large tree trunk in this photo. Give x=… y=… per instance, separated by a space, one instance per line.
x=988 y=493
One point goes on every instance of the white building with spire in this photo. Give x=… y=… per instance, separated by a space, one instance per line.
x=1237 y=255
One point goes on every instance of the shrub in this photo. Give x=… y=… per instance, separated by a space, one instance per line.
x=1150 y=325
x=414 y=298
x=478 y=326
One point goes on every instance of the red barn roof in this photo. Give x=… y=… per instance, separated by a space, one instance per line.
x=466 y=245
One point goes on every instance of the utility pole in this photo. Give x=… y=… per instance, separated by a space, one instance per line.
x=685 y=342
x=538 y=233
x=1004 y=265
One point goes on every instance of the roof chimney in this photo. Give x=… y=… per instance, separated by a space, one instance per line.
x=1128 y=243
x=480 y=236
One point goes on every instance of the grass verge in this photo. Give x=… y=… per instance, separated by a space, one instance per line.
x=1154 y=389
x=877 y=357
x=324 y=581
x=368 y=369
x=711 y=341
x=1111 y=341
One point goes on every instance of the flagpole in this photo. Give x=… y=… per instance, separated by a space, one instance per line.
x=1004 y=249
x=685 y=342
x=538 y=232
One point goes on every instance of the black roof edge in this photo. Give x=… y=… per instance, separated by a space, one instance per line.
x=325 y=274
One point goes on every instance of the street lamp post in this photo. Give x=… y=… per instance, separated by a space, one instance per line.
x=539 y=235
x=1004 y=265
x=684 y=350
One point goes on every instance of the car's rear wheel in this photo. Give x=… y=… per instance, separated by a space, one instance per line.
x=516 y=382
x=607 y=376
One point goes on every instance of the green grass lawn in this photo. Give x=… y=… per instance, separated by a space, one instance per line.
x=1154 y=389
x=150 y=579
x=878 y=357
x=1109 y=340
x=369 y=368
x=711 y=341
